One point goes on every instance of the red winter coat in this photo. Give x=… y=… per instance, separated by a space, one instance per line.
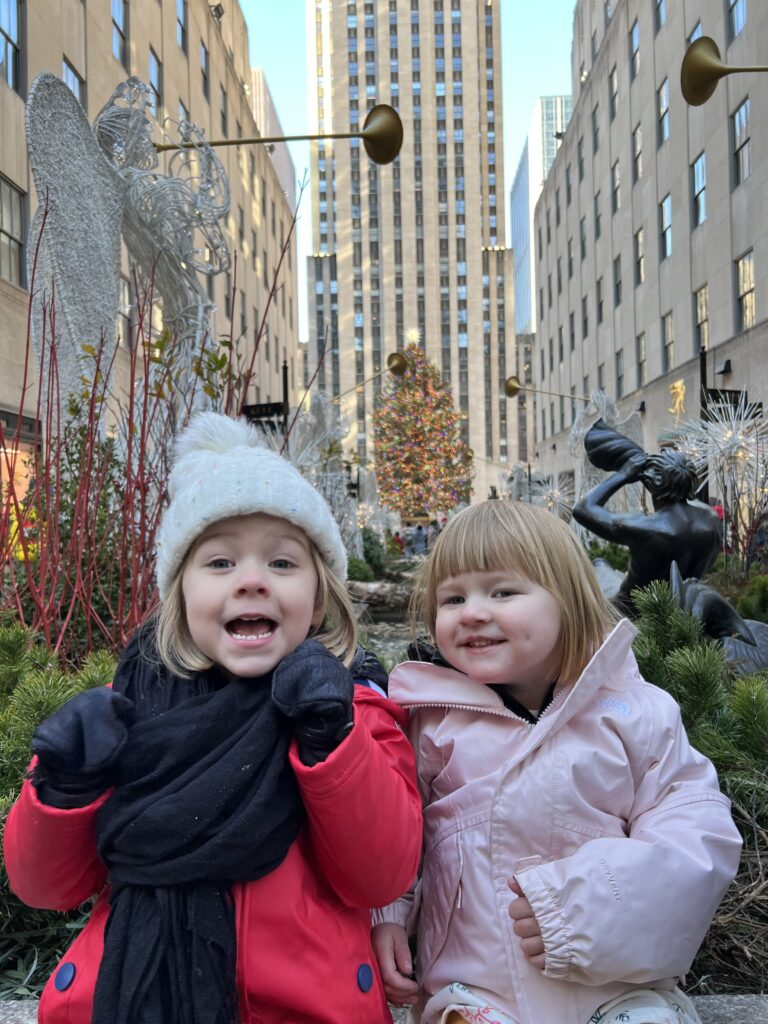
x=303 y=931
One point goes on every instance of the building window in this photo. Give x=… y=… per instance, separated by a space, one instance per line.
x=601 y=376
x=596 y=128
x=583 y=237
x=661 y=13
x=615 y=188
x=572 y=331
x=740 y=122
x=637 y=153
x=607 y=12
x=551 y=355
x=701 y=311
x=617 y=281
x=570 y=258
x=667 y=343
x=665 y=214
x=72 y=80
x=613 y=92
x=9 y=43
x=696 y=34
x=639 y=256
x=737 y=17
x=599 y=300
x=745 y=287
x=584 y=318
x=640 y=359
x=155 y=83
x=598 y=226
x=120 y=32
x=181 y=24
x=568 y=188
x=205 y=71
x=557 y=207
x=699 y=181
x=634 y=50
x=559 y=275
x=11 y=233
x=619 y=372
x=663 y=111
x=580 y=157
x=223 y=111
x=124 y=313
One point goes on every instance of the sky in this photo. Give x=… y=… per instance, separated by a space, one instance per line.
x=536 y=61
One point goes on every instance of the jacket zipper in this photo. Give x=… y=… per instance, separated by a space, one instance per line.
x=501 y=712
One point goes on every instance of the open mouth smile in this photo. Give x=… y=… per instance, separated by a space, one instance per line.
x=251 y=628
x=478 y=643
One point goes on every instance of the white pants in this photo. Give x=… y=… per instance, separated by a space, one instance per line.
x=641 y=1006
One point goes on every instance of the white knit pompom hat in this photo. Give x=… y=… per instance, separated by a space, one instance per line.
x=223 y=468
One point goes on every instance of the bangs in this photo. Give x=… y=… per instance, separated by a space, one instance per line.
x=484 y=546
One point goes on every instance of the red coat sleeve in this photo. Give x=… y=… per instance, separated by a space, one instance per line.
x=363 y=806
x=50 y=854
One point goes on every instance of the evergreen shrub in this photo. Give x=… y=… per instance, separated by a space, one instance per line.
x=727 y=720
x=33 y=684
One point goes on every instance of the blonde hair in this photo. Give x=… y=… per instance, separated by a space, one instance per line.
x=181 y=655
x=499 y=535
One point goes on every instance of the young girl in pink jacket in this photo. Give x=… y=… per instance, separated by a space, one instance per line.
x=575 y=845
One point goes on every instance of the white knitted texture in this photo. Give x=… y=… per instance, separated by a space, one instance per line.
x=223 y=469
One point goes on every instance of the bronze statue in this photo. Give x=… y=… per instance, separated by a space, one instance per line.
x=678 y=530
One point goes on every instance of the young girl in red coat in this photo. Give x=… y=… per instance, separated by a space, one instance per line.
x=235 y=801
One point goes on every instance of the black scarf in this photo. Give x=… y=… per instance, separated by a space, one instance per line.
x=205 y=796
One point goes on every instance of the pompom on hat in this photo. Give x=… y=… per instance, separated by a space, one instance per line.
x=223 y=468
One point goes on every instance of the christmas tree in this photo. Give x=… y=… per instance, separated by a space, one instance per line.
x=423 y=467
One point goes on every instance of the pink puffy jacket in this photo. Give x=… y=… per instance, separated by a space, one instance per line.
x=613 y=825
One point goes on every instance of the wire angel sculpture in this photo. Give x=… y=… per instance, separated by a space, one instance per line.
x=98 y=185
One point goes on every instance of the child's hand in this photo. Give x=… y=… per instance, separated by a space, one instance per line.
x=314 y=689
x=526 y=927
x=390 y=944
x=77 y=747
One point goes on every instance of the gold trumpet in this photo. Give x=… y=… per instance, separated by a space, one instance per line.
x=382 y=135
x=702 y=69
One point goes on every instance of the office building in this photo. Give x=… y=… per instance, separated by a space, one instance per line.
x=415 y=249
x=194 y=56
x=648 y=235
x=549 y=121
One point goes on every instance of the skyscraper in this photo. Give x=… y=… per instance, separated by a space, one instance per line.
x=549 y=121
x=415 y=249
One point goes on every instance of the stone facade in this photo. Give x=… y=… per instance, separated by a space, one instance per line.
x=637 y=266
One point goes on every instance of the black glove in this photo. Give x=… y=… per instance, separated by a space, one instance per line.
x=366 y=668
x=314 y=690
x=78 y=745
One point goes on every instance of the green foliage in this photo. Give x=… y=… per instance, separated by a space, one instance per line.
x=753 y=603
x=616 y=555
x=727 y=720
x=373 y=552
x=359 y=570
x=32 y=685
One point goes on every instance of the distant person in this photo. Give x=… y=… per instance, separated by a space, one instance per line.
x=397 y=540
x=218 y=798
x=576 y=846
x=419 y=540
x=676 y=531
